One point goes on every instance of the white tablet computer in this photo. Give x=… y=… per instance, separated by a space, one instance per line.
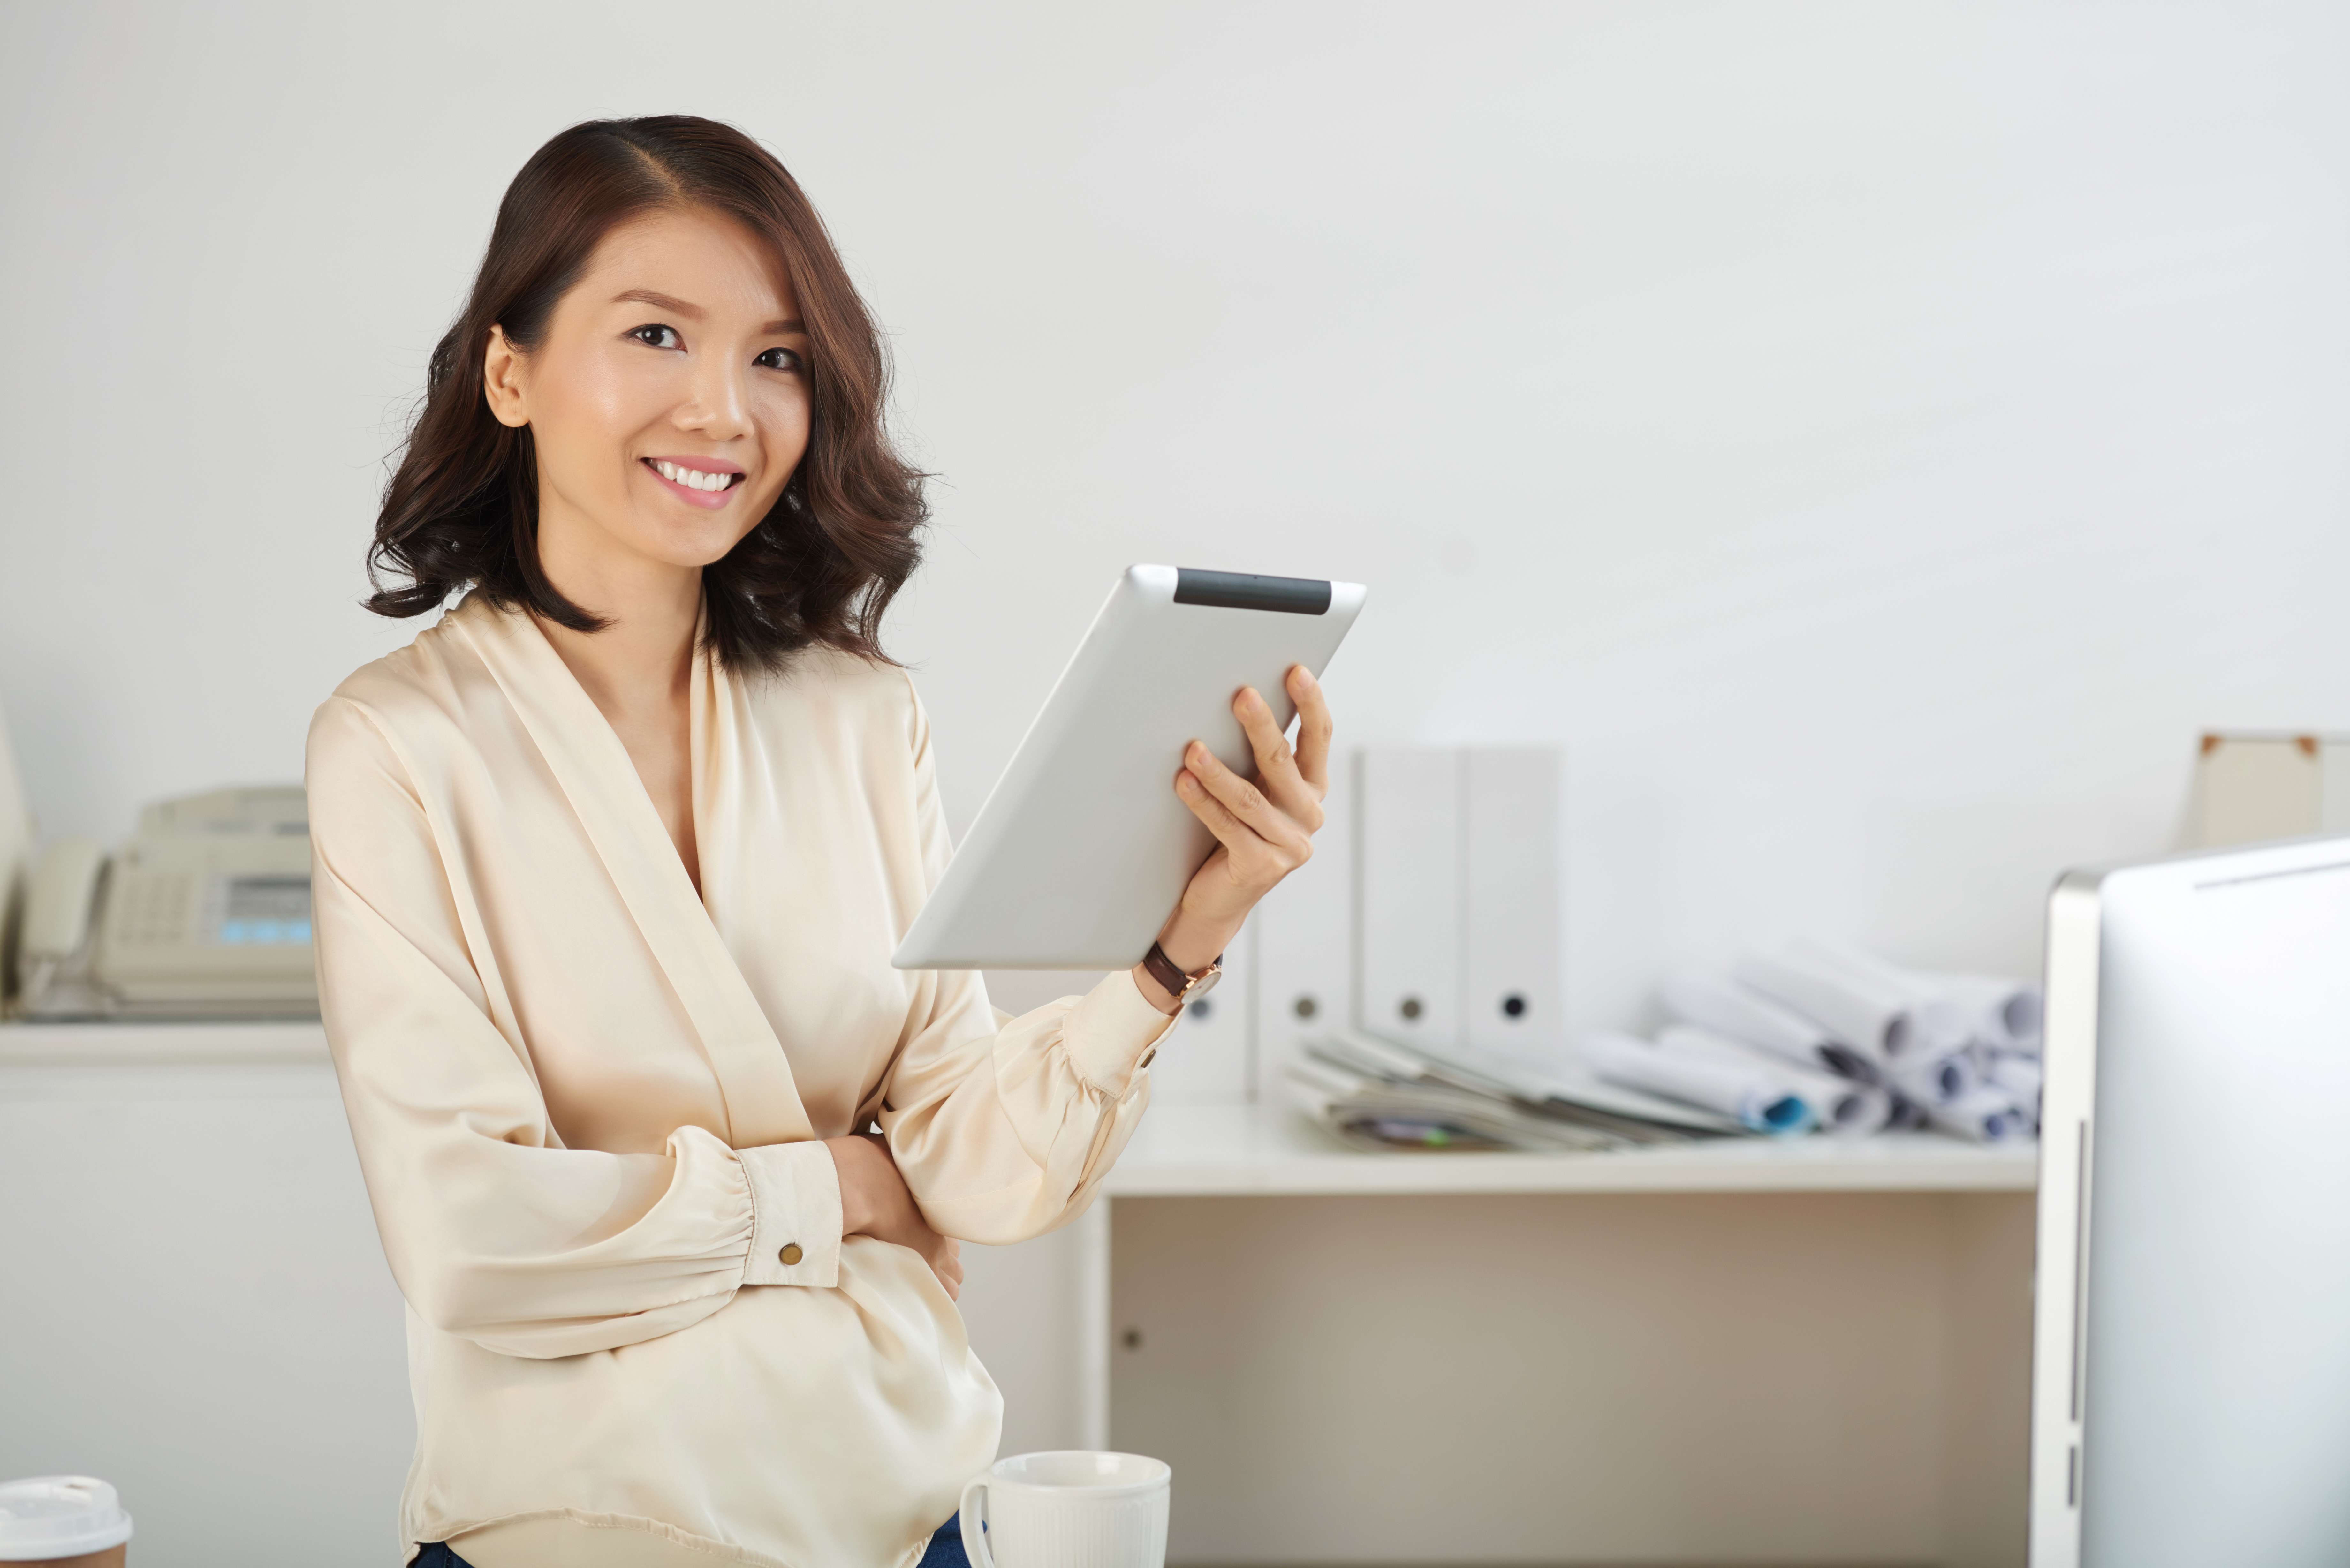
x=1083 y=848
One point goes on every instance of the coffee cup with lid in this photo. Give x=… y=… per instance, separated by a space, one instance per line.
x=64 y=1522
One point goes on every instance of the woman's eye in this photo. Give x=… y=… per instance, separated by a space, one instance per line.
x=781 y=360
x=658 y=336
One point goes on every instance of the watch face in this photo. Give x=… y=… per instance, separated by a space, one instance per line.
x=1205 y=984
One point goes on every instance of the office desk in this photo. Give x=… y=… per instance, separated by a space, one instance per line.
x=1806 y=1352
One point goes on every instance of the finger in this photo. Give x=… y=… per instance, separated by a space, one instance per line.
x=1239 y=797
x=1276 y=769
x=1253 y=859
x=1314 y=728
x=1231 y=831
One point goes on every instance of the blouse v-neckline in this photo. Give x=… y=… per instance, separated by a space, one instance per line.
x=593 y=768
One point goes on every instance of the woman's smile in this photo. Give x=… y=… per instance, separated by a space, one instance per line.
x=702 y=481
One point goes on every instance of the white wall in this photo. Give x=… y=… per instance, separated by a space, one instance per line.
x=1872 y=439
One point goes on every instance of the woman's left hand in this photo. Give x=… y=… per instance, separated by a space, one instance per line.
x=1264 y=829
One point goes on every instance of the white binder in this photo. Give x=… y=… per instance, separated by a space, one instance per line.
x=1510 y=949
x=1408 y=901
x=1305 y=932
x=1209 y=1058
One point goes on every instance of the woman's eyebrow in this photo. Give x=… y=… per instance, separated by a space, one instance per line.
x=665 y=302
x=695 y=312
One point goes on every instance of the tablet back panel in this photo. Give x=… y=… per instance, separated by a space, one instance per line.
x=2190 y=1358
x=1083 y=848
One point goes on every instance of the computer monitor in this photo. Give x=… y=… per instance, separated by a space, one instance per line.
x=2191 y=1333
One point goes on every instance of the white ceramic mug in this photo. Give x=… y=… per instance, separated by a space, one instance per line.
x=1074 y=1509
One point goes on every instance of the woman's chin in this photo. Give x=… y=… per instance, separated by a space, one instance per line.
x=693 y=544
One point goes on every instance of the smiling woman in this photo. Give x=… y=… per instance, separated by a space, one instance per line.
x=782 y=375
x=608 y=868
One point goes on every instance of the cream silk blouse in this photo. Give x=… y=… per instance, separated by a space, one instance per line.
x=587 y=1103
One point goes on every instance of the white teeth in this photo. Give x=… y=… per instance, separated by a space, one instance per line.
x=693 y=478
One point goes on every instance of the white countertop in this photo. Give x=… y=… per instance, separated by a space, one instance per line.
x=1197 y=1150
x=160 y=1044
x=1270 y=1149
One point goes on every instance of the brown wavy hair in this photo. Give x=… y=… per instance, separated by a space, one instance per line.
x=461 y=507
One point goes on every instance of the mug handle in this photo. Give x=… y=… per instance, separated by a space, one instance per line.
x=974 y=1527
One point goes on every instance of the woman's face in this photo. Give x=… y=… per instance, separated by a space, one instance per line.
x=669 y=399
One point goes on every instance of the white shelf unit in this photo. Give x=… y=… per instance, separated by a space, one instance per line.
x=1246 y=1277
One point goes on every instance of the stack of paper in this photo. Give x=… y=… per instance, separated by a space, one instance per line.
x=1379 y=1093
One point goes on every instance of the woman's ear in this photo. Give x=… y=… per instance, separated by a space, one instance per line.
x=502 y=376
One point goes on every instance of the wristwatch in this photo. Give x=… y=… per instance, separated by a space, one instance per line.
x=1184 y=988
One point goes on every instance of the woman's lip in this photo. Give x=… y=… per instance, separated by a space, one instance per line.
x=705 y=465
x=708 y=499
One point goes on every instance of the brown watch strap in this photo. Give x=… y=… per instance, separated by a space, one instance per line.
x=1162 y=970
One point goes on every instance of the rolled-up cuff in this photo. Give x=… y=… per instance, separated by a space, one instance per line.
x=1109 y=1031
x=795 y=1215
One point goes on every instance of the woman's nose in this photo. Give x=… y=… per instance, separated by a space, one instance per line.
x=718 y=407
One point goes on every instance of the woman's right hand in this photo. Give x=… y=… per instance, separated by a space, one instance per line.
x=875 y=1201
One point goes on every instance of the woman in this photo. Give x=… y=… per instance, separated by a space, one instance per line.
x=610 y=864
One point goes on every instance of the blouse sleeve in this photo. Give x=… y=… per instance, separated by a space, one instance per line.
x=1003 y=1128
x=493 y=1229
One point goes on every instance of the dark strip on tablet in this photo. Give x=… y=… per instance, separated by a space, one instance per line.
x=1246 y=590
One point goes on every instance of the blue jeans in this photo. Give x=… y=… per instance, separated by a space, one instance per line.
x=946 y=1550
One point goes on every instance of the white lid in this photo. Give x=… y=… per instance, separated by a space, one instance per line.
x=58 y=1516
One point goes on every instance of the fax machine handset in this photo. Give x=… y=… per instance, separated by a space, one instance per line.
x=61 y=900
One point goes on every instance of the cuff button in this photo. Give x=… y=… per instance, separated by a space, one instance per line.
x=790 y=1253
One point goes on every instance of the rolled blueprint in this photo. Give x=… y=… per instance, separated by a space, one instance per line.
x=1938 y=1079
x=1740 y=1013
x=1982 y=1115
x=1758 y=1098
x=2019 y=1075
x=2005 y=1013
x=1992 y=1010
x=1881 y=1011
x=1837 y=1104
x=1907 y=1115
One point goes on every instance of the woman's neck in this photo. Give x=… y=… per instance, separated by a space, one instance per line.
x=638 y=670
x=641 y=663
